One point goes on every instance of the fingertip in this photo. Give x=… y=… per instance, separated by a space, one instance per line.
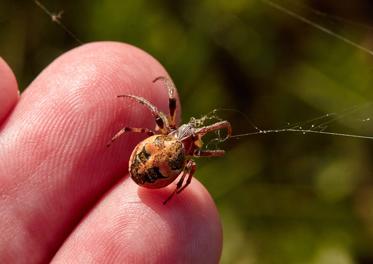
x=193 y=219
x=8 y=90
x=132 y=225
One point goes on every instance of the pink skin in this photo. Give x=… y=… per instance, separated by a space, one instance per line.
x=63 y=194
x=8 y=90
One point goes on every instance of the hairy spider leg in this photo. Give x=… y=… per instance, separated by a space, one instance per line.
x=130 y=129
x=160 y=118
x=178 y=186
x=191 y=170
x=188 y=171
x=217 y=126
x=209 y=153
x=169 y=85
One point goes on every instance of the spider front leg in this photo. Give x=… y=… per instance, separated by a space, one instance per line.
x=217 y=126
x=178 y=186
x=189 y=170
x=130 y=129
x=160 y=118
x=171 y=98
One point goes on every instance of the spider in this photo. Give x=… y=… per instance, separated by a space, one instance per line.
x=169 y=150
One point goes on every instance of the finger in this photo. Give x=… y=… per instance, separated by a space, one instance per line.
x=131 y=225
x=8 y=90
x=54 y=163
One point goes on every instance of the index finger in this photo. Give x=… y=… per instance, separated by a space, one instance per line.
x=54 y=163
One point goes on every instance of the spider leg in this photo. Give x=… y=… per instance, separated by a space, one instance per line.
x=160 y=118
x=191 y=170
x=130 y=129
x=209 y=153
x=171 y=98
x=217 y=126
x=178 y=186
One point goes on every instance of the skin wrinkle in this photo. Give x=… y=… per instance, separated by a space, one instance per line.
x=39 y=142
x=22 y=229
x=125 y=230
x=195 y=204
x=154 y=245
x=122 y=210
x=47 y=149
x=16 y=188
x=72 y=106
x=88 y=133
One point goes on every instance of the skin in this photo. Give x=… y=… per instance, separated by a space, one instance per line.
x=9 y=90
x=64 y=196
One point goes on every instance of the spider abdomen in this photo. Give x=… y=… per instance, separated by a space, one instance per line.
x=157 y=161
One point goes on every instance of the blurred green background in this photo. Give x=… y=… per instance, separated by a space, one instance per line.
x=283 y=198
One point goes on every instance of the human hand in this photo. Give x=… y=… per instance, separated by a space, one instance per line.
x=63 y=196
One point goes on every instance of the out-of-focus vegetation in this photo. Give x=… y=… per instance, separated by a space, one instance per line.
x=283 y=198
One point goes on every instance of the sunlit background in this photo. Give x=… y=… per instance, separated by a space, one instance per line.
x=285 y=197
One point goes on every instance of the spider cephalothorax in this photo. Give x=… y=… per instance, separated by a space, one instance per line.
x=168 y=151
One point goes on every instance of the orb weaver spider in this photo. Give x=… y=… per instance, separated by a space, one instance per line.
x=169 y=150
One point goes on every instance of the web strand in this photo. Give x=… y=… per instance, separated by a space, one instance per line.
x=303 y=131
x=332 y=17
x=317 y=26
x=57 y=19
